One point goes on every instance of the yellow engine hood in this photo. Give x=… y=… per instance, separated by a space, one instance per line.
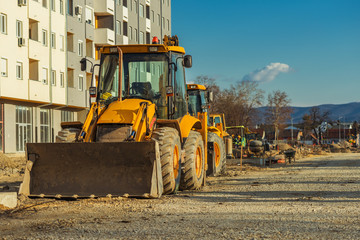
x=122 y=111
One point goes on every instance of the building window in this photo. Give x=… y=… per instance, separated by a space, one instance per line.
x=147 y=12
x=44 y=75
x=19 y=29
x=80 y=48
x=159 y=19
x=23 y=127
x=81 y=82
x=131 y=5
x=44 y=37
x=168 y=24
x=62 y=7
x=148 y=38
x=4 y=67
x=53 y=40
x=44 y=3
x=3 y=23
x=125 y=28
x=89 y=15
x=44 y=125
x=125 y=3
x=141 y=38
x=52 y=5
x=70 y=7
x=141 y=10
x=19 y=70
x=118 y=27
x=62 y=43
x=163 y=22
x=61 y=79
x=118 y=2
x=136 y=34
x=53 y=77
x=152 y=16
x=130 y=33
x=67 y=116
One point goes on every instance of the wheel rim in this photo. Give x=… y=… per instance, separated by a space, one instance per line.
x=176 y=161
x=198 y=162
x=217 y=154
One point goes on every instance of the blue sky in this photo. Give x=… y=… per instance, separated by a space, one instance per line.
x=307 y=48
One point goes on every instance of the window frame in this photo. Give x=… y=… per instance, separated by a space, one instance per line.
x=81 y=83
x=53 y=77
x=3 y=23
x=19 y=74
x=62 y=79
x=19 y=29
x=80 y=48
x=53 y=40
x=44 y=37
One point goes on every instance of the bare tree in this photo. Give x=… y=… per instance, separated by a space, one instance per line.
x=240 y=103
x=314 y=119
x=278 y=110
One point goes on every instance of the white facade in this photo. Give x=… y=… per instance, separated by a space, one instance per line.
x=41 y=83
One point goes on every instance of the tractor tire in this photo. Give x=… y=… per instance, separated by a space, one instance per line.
x=218 y=160
x=170 y=158
x=67 y=135
x=193 y=172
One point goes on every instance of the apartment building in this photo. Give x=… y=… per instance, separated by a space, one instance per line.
x=42 y=42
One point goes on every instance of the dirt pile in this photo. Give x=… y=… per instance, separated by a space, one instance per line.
x=11 y=164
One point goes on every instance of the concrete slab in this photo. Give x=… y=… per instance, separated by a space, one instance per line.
x=8 y=199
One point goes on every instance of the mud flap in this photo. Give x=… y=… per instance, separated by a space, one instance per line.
x=93 y=169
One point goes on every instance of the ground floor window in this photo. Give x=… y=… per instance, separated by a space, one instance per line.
x=44 y=125
x=67 y=116
x=23 y=127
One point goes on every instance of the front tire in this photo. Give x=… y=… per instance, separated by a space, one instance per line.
x=218 y=160
x=194 y=167
x=170 y=149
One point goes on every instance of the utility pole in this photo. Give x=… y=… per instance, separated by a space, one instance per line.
x=292 y=138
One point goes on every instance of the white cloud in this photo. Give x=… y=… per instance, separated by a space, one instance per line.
x=268 y=73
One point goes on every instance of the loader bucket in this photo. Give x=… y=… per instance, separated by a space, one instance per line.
x=93 y=169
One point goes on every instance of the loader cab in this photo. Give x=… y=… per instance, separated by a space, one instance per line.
x=150 y=72
x=197 y=99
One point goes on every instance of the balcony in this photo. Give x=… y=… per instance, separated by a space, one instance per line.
x=36 y=49
x=104 y=36
x=104 y=7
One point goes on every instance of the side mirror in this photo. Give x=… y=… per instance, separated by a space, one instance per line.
x=188 y=61
x=210 y=96
x=83 y=64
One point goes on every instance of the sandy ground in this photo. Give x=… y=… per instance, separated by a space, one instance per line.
x=316 y=198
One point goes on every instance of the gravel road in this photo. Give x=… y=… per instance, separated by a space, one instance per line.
x=316 y=198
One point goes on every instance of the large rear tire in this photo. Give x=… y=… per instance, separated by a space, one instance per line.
x=193 y=172
x=67 y=135
x=218 y=160
x=170 y=149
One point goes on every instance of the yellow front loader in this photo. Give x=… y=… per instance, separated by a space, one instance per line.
x=138 y=138
x=199 y=99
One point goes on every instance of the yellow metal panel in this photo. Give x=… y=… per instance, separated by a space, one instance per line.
x=121 y=112
x=187 y=123
x=143 y=48
x=196 y=87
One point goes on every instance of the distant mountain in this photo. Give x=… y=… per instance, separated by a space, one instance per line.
x=348 y=112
